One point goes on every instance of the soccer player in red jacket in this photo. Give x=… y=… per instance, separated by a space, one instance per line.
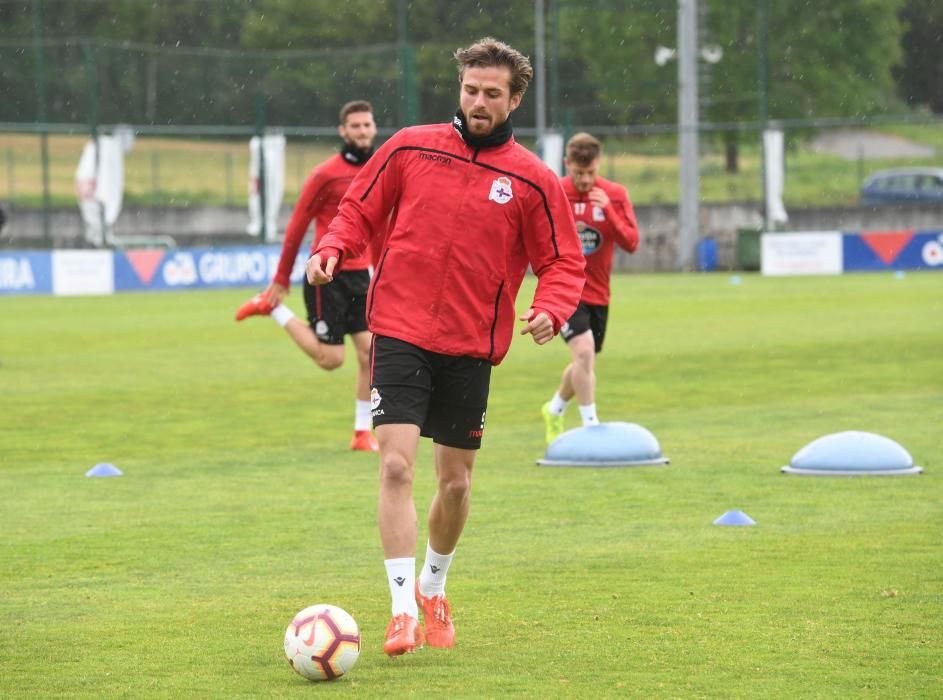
x=338 y=310
x=604 y=219
x=471 y=209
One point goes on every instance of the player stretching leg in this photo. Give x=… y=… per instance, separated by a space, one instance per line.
x=604 y=217
x=339 y=310
x=473 y=209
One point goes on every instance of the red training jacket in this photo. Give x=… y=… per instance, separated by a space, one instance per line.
x=319 y=199
x=600 y=230
x=466 y=223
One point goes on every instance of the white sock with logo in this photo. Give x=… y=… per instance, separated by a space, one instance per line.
x=434 y=571
x=401 y=575
x=588 y=414
x=363 y=420
x=282 y=315
x=557 y=405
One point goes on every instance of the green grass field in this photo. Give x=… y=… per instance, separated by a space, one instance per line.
x=241 y=504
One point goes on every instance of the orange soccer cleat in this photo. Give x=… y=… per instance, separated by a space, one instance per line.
x=440 y=632
x=364 y=441
x=403 y=635
x=256 y=306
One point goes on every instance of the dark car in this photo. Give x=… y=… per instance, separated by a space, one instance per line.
x=904 y=185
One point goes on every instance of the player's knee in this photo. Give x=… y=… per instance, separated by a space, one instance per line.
x=395 y=468
x=456 y=488
x=330 y=360
x=584 y=357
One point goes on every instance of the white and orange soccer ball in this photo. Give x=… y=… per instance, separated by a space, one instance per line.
x=322 y=642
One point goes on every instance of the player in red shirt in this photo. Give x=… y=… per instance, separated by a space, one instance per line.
x=338 y=310
x=604 y=219
x=471 y=210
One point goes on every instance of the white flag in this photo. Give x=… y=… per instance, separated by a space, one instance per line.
x=775 y=177
x=274 y=152
x=99 y=184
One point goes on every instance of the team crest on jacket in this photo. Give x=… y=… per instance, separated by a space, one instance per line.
x=590 y=238
x=501 y=190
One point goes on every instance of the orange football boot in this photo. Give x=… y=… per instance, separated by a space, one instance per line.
x=403 y=635
x=364 y=441
x=440 y=632
x=256 y=306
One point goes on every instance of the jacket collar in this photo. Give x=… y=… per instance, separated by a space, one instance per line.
x=354 y=155
x=500 y=136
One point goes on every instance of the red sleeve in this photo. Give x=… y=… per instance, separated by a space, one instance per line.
x=621 y=216
x=306 y=208
x=366 y=204
x=554 y=251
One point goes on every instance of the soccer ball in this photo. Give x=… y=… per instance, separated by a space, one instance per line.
x=322 y=642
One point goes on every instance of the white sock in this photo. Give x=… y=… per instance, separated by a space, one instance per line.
x=557 y=405
x=434 y=571
x=401 y=575
x=282 y=315
x=363 y=419
x=588 y=413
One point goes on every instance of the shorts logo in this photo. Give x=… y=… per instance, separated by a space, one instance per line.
x=321 y=329
x=501 y=190
x=481 y=431
x=374 y=398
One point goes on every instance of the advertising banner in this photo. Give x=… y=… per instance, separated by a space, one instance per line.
x=816 y=253
x=893 y=250
x=25 y=272
x=200 y=268
x=77 y=272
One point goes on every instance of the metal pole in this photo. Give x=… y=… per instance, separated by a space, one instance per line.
x=41 y=114
x=687 y=132
x=407 y=83
x=541 y=77
x=554 y=63
x=762 y=77
x=260 y=132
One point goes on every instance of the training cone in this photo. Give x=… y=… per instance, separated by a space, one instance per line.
x=604 y=445
x=735 y=517
x=852 y=453
x=104 y=469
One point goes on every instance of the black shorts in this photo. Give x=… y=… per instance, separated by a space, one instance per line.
x=587 y=318
x=445 y=396
x=339 y=308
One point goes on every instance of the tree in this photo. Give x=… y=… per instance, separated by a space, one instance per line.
x=919 y=79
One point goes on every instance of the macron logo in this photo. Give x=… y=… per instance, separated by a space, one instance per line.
x=399 y=581
x=434 y=568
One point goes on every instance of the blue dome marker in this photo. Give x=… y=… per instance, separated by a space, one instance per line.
x=104 y=469
x=735 y=517
x=852 y=453
x=604 y=445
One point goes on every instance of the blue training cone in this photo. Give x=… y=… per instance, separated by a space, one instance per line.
x=104 y=469
x=735 y=517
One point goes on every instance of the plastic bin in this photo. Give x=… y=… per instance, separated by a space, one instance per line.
x=748 y=248
x=706 y=252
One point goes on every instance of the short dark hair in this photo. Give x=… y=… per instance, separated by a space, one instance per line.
x=582 y=148
x=353 y=107
x=488 y=52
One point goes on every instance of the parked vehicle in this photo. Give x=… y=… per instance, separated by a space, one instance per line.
x=903 y=185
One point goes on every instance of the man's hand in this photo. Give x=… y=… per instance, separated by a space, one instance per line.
x=539 y=326
x=316 y=273
x=598 y=197
x=275 y=293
